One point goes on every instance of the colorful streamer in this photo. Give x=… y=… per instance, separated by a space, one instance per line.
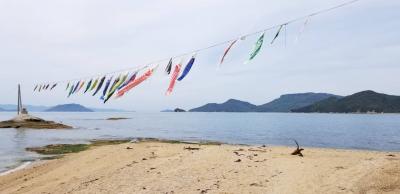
x=100 y=85
x=54 y=85
x=76 y=87
x=106 y=88
x=133 y=76
x=94 y=84
x=67 y=87
x=257 y=48
x=227 y=50
x=116 y=86
x=187 y=68
x=71 y=90
x=169 y=67
x=88 y=85
x=173 y=79
x=277 y=33
x=135 y=82
x=80 y=87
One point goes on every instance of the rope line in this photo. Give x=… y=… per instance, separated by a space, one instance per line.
x=137 y=68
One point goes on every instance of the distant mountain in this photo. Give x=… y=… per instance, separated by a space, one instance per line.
x=69 y=108
x=231 y=105
x=287 y=102
x=362 y=102
x=167 y=110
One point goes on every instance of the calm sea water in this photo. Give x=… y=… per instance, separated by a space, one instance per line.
x=351 y=131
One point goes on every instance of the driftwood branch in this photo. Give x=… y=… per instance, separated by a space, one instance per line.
x=298 y=149
x=190 y=148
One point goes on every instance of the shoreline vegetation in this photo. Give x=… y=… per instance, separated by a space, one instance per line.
x=150 y=165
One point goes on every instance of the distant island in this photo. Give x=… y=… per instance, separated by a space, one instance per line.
x=179 y=110
x=69 y=108
x=231 y=105
x=284 y=103
x=361 y=102
x=167 y=110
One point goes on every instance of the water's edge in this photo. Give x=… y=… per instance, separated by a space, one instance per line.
x=25 y=164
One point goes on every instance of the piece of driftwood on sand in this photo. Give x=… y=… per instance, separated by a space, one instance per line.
x=298 y=150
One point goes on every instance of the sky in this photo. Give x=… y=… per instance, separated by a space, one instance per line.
x=348 y=50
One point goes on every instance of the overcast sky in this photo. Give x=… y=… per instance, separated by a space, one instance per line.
x=348 y=50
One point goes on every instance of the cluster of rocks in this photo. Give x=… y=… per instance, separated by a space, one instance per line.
x=25 y=120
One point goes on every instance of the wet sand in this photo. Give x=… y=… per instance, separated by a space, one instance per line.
x=156 y=167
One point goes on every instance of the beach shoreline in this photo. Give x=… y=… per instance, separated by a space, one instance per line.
x=177 y=167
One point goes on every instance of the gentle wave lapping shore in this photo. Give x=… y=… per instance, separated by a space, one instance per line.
x=170 y=167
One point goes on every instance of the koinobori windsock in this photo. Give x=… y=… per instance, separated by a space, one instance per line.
x=187 y=68
x=76 y=87
x=115 y=87
x=131 y=78
x=94 y=84
x=257 y=47
x=106 y=88
x=135 y=82
x=277 y=34
x=173 y=79
x=88 y=85
x=169 y=67
x=100 y=85
x=227 y=50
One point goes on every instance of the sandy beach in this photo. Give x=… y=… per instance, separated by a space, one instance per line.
x=157 y=167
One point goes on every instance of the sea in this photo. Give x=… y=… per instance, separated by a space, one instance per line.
x=379 y=132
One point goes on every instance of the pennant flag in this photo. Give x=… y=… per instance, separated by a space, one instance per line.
x=54 y=85
x=257 y=48
x=135 y=82
x=100 y=84
x=277 y=33
x=67 y=87
x=122 y=81
x=71 y=90
x=302 y=29
x=113 y=84
x=187 y=68
x=133 y=76
x=106 y=88
x=47 y=87
x=80 y=87
x=35 y=87
x=88 y=85
x=169 y=67
x=227 y=50
x=76 y=87
x=40 y=87
x=116 y=86
x=173 y=79
x=94 y=84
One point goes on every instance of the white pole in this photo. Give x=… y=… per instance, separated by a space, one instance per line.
x=19 y=100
